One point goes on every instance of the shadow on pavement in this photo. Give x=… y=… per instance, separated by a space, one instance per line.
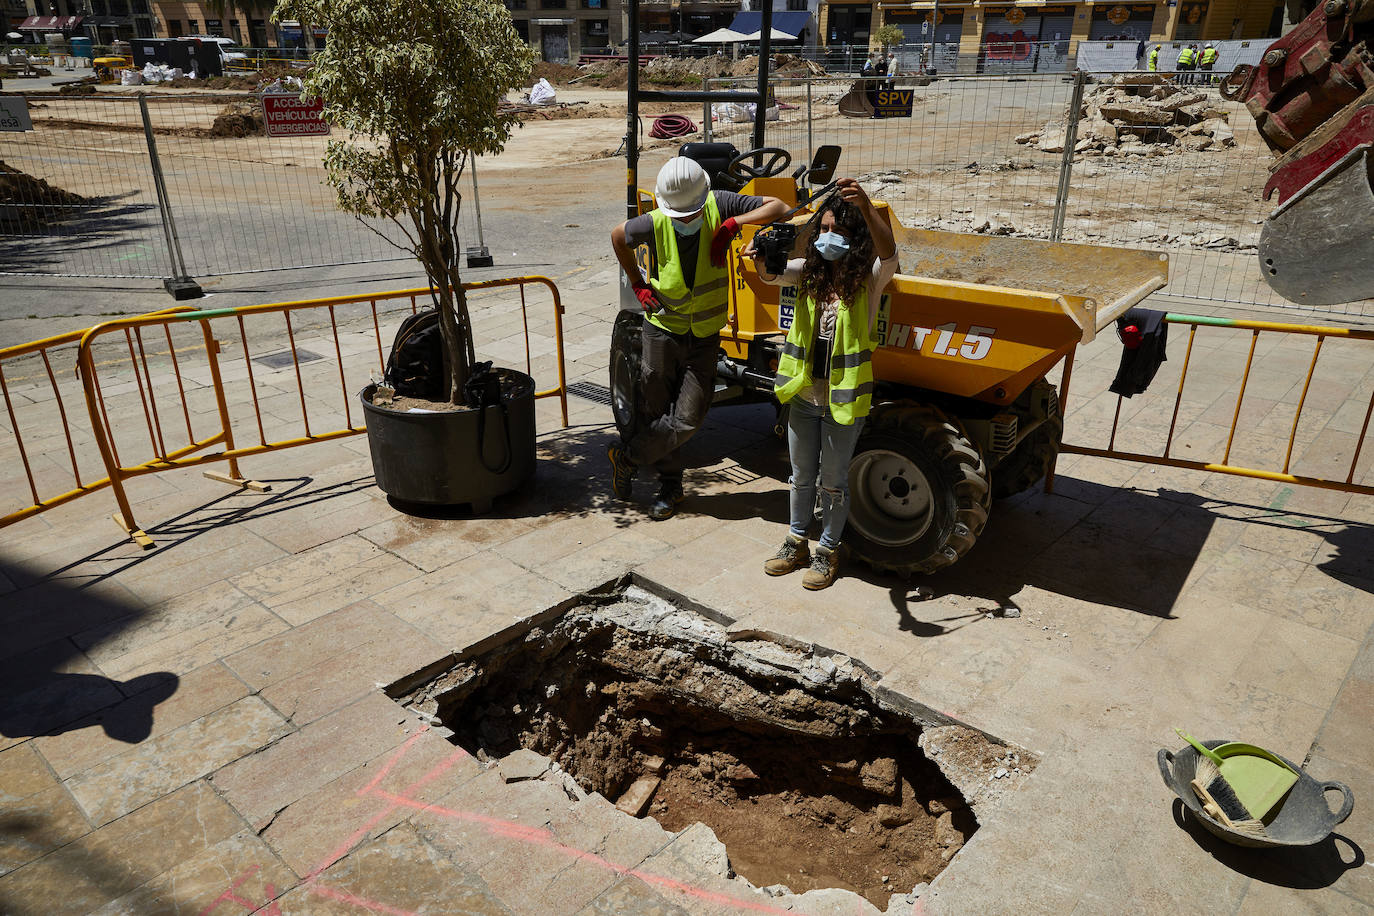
x=1299 y=867
x=42 y=694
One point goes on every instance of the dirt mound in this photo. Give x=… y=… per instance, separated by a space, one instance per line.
x=27 y=202
x=238 y=119
x=82 y=88
x=558 y=74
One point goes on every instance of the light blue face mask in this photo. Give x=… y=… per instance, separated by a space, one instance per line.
x=690 y=227
x=831 y=245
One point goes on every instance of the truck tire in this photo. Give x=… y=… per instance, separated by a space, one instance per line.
x=918 y=491
x=627 y=343
x=1031 y=461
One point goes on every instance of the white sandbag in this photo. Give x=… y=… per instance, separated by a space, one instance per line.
x=130 y=78
x=542 y=93
x=741 y=112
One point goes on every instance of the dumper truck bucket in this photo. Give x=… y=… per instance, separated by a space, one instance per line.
x=855 y=103
x=1096 y=284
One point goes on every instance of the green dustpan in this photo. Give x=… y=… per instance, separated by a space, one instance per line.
x=1259 y=778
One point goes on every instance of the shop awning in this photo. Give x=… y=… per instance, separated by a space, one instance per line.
x=751 y=23
x=49 y=23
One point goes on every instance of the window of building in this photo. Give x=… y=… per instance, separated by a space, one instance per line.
x=257 y=32
x=174 y=28
x=191 y=27
x=214 y=28
x=798 y=6
x=517 y=4
x=141 y=7
x=849 y=25
x=596 y=33
x=522 y=28
x=144 y=27
x=593 y=4
x=235 y=31
x=554 y=4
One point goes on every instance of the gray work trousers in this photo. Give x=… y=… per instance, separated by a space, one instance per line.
x=676 y=384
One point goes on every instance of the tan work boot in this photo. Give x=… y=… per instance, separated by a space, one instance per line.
x=791 y=555
x=825 y=566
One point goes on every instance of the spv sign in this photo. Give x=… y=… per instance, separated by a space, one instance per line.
x=893 y=103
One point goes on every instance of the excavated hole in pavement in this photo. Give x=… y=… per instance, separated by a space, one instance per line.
x=810 y=775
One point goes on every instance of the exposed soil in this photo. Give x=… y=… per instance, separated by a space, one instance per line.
x=239 y=119
x=27 y=202
x=807 y=779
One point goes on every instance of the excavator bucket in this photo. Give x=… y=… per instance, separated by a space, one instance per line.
x=855 y=103
x=1317 y=246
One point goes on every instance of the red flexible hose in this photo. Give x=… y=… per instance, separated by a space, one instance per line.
x=668 y=126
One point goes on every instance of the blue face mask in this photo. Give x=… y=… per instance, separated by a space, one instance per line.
x=690 y=227
x=831 y=245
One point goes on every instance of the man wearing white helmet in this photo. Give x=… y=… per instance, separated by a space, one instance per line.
x=685 y=299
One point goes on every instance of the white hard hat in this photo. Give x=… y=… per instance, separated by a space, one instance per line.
x=682 y=187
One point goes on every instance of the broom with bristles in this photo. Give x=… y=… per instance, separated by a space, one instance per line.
x=1207 y=779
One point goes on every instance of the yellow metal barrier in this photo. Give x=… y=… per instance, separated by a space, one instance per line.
x=1223 y=464
x=165 y=449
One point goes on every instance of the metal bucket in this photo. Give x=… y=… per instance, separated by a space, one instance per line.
x=1303 y=819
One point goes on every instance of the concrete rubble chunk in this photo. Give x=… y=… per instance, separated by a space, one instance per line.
x=698 y=845
x=523 y=764
x=1097 y=129
x=1138 y=114
x=880 y=776
x=1028 y=137
x=1175 y=102
x=636 y=799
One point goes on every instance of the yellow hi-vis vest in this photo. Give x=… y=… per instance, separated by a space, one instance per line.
x=1185 y=57
x=851 y=358
x=1154 y=59
x=1209 y=55
x=700 y=309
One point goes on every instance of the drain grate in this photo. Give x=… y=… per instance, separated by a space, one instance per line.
x=283 y=359
x=590 y=391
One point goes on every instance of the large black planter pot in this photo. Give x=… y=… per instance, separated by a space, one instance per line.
x=433 y=458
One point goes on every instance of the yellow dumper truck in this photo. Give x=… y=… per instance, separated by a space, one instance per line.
x=963 y=413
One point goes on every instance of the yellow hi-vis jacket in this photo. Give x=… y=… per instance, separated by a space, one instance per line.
x=851 y=358
x=1154 y=58
x=1209 y=55
x=1185 y=57
x=702 y=308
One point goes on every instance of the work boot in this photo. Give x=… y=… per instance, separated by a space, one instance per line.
x=665 y=503
x=792 y=555
x=825 y=565
x=622 y=471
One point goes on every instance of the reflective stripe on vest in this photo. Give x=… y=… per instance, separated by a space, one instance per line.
x=851 y=359
x=1209 y=55
x=702 y=308
x=1185 y=57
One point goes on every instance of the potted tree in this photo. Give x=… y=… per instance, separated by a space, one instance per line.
x=417 y=90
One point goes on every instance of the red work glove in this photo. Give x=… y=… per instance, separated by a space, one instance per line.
x=720 y=242
x=1131 y=337
x=648 y=300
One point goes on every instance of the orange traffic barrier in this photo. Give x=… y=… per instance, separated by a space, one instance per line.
x=1223 y=463
x=164 y=398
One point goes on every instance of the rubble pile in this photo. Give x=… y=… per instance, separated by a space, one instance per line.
x=678 y=71
x=1140 y=115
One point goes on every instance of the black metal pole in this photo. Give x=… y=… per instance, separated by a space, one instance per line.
x=632 y=115
x=765 y=54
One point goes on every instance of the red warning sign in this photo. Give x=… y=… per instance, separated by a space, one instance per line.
x=286 y=114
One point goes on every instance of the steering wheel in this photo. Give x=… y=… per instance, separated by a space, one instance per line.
x=768 y=161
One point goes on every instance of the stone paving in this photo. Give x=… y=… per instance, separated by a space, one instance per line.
x=200 y=728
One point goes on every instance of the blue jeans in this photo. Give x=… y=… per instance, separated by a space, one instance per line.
x=820 y=448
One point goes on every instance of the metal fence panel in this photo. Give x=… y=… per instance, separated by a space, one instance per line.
x=240 y=201
x=83 y=203
x=956 y=165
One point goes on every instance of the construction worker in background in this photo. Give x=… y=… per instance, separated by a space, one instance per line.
x=1208 y=59
x=685 y=300
x=1154 y=59
x=1187 y=60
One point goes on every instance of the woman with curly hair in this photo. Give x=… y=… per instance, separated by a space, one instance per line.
x=824 y=373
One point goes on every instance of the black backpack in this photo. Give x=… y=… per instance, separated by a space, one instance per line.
x=415 y=368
